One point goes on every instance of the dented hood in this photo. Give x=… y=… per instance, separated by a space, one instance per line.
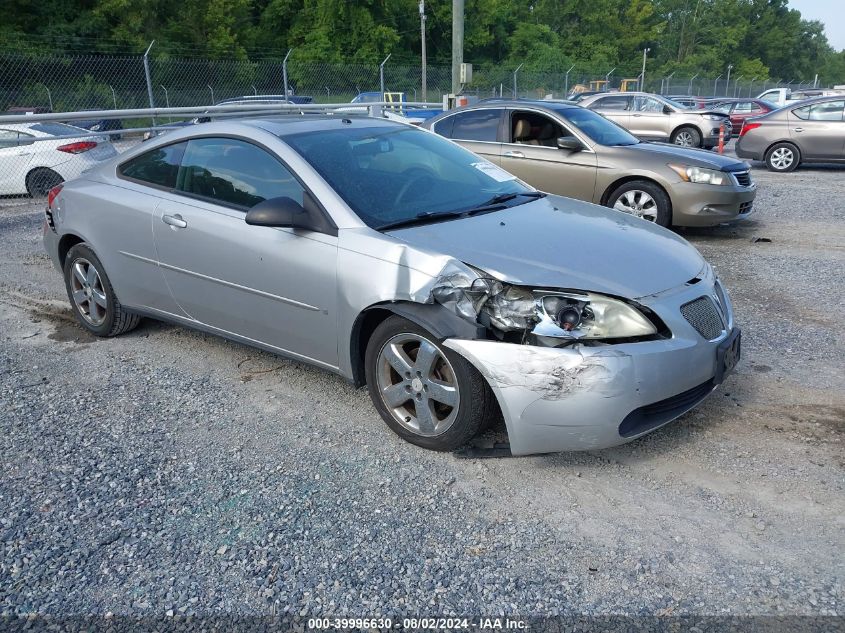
x=557 y=242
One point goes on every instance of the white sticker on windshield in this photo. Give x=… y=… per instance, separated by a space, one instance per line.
x=496 y=173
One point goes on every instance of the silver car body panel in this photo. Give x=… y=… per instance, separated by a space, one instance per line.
x=220 y=275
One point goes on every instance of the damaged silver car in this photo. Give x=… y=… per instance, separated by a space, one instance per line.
x=403 y=262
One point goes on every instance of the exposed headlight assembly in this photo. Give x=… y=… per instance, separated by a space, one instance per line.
x=571 y=315
x=700 y=175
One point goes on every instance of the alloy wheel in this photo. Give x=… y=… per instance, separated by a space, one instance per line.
x=638 y=203
x=684 y=139
x=88 y=292
x=782 y=158
x=417 y=385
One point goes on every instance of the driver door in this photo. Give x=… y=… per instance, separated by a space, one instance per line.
x=273 y=286
x=648 y=120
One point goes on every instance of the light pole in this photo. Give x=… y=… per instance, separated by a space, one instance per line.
x=728 y=82
x=514 y=79
x=422 y=40
x=642 y=76
x=689 y=89
x=751 y=83
x=381 y=73
x=566 y=86
x=716 y=83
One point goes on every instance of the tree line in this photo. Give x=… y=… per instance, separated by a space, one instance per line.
x=765 y=39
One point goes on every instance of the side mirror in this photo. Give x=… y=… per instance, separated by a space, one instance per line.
x=667 y=110
x=570 y=143
x=285 y=212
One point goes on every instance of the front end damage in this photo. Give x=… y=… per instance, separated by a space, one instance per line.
x=563 y=375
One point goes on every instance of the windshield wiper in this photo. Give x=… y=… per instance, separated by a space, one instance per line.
x=498 y=202
x=421 y=218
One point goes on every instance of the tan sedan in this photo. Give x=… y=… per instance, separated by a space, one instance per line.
x=571 y=151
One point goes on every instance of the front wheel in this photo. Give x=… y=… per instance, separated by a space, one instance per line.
x=687 y=137
x=643 y=199
x=91 y=295
x=783 y=157
x=427 y=394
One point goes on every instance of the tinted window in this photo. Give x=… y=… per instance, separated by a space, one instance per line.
x=829 y=111
x=478 y=125
x=235 y=173
x=531 y=128
x=156 y=167
x=611 y=103
x=599 y=129
x=743 y=107
x=389 y=174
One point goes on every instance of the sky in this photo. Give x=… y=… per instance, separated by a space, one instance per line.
x=826 y=12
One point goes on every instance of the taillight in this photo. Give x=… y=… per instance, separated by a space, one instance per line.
x=77 y=148
x=748 y=127
x=52 y=195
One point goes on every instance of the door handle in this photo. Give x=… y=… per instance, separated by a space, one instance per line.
x=174 y=220
x=798 y=129
x=637 y=115
x=514 y=154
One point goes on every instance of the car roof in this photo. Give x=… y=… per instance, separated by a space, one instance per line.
x=813 y=100
x=542 y=103
x=286 y=125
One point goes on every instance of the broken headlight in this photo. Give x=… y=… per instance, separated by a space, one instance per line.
x=574 y=315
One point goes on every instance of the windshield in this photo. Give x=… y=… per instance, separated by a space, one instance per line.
x=389 y=175
x=368 y=97
x=681 y=106
x=601 y=130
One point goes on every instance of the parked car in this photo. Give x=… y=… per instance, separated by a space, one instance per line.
x=741 y=109
x=575 y=97
x=402 y=261
x=34 y=166
x=807 y=131
x=571 y=151
x=112 y=126
x=27 y=110
x=785 y=96
x=652 y=117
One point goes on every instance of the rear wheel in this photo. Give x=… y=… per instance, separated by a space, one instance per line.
x=643 y=199
x=427 y=394
x=783 y=157
x=92 y=297
x=40 y=181
x=687 y=137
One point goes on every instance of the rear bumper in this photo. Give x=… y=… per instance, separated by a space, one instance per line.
x=587 y=398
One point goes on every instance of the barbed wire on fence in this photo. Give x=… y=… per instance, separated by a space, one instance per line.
x=63 y=83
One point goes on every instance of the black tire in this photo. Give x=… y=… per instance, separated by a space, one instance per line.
x=39 y=181
x=115 y=319
x=778 y=158
x=663 y=205
x=473 y=410
x=680 y=135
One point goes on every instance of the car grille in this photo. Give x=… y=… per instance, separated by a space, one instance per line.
x=703 y=315
x=659 y=413
x=743 y=178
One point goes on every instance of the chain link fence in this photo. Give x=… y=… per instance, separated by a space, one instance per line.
x=73 y=83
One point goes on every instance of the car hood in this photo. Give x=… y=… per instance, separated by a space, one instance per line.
x=557 y=242
x=690 y=156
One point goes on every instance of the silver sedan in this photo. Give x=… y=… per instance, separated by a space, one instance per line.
x=405 y=263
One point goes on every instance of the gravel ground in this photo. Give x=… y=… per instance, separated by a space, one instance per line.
x=171 y=472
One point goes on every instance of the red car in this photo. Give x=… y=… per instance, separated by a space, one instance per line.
x=741 y=109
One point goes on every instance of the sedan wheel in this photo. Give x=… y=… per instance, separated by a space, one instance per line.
x=88 y=293
x=782 y=157
x=428 y=394
x=637 y=203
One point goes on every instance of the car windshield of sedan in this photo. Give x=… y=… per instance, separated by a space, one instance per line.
x=599 y=129
x=396 y=175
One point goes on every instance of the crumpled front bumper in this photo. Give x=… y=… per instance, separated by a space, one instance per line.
x=576 y=398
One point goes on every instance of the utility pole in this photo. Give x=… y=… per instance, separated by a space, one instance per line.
x=642 y=77
x=422 y=39
x=457 y=43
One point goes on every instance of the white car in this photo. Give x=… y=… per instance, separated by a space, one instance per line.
x=29 y=165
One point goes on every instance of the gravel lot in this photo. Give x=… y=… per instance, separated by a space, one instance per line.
x=171 y=472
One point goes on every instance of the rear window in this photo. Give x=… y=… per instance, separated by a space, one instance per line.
x=158 y=167
x=57 y=129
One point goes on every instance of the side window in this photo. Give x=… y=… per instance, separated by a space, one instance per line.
x=157 y=167
x=234 y=172
x=828 y=111
x=532 y=128
x=616 y=102
x=743 y=107
x=802 y=113
x=25 y=139
x=476 y=125
x=647 y=104
x=8 y=138
x=444 y=126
